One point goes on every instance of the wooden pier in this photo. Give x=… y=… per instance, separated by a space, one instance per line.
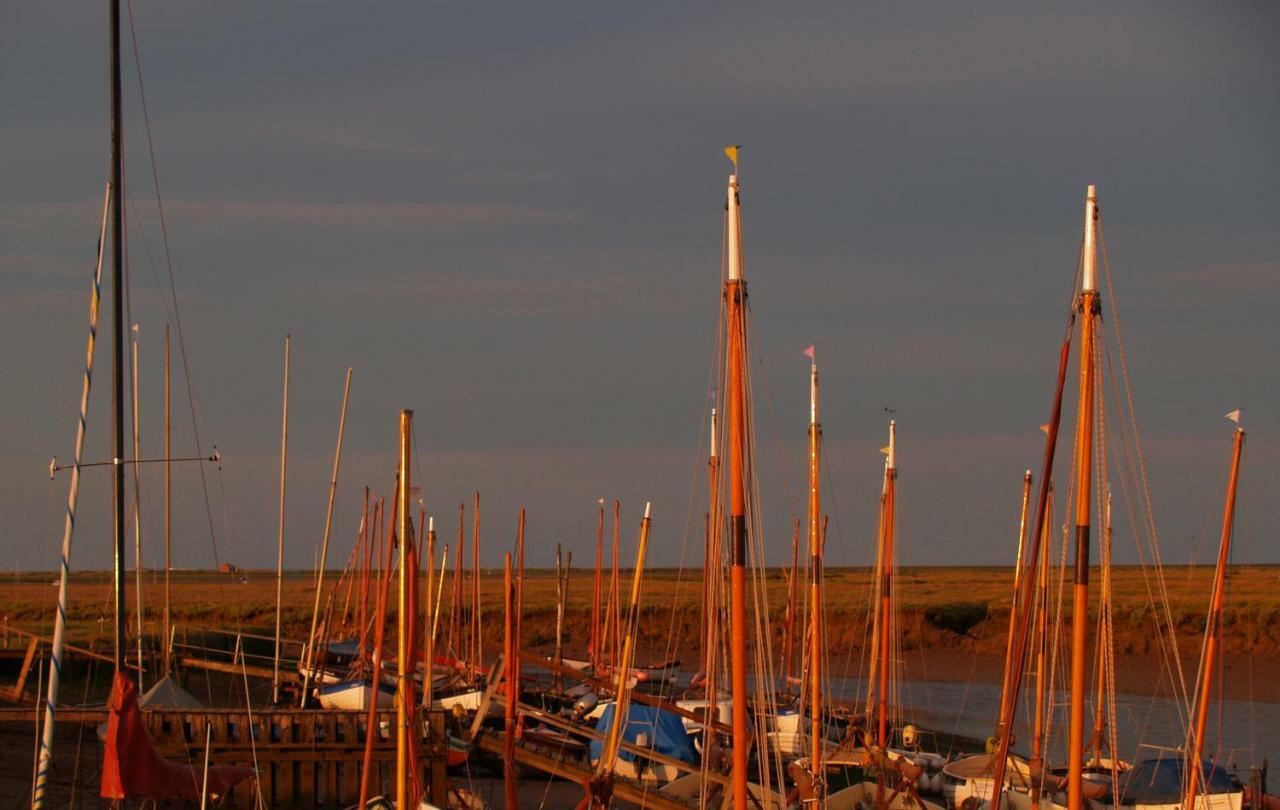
x=305 y=758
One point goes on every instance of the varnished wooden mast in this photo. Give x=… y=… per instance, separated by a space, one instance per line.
x=477 y=628
x=1042 y=643
x=510 y=689
x=312 y=641
x=886 y=588
x=735 y=293
x=815 y=582
x=404 y=665
x=595 y=597
x=284 y=465
x=1013 y=606
x=1089 y=309
x=168 y=507
x=1214 y=625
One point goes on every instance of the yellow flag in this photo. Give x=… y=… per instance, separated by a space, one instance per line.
x=884 y=451
x=732 y=153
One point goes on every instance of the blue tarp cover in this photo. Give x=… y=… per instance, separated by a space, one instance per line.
x=1159 y=781
x=665 y=732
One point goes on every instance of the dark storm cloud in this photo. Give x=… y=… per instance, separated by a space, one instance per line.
x=508 y=219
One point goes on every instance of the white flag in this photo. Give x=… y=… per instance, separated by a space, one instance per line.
x=1234 y=416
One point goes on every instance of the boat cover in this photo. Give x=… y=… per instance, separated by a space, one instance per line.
x=664 y=731
x=166 y=693
x=1159 y=781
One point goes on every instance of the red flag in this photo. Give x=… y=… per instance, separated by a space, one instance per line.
x=809 y=351
x=131 y=766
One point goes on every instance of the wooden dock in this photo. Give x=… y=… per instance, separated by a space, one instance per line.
x=305 y=758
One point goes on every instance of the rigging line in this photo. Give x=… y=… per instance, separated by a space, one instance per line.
x=1142 y=466
x=173 y=290
x=694 y=485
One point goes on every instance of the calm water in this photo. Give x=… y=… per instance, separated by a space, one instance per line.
x=1240 y=733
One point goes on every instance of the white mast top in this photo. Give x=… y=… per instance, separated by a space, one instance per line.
x=431 y=523
x=1089 y=275
x=713 y=432
x=735 y=230
x=892 y=461
x=813 y=392
x=647 y=504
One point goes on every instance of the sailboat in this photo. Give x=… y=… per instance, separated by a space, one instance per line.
x=131 y=765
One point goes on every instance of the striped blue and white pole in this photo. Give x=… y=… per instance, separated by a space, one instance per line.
x=64 y=571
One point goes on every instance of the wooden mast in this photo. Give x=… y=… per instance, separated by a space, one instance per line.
x=1042 y=521
x=1041 y=636
x=1001 y=730
x=1212 y=630
x=324 y=546
x=510 y=690
x=793 y=575
x=711 y=573
x=886 y=588
x=137 y=502
x=284 y=462
x=815 y=581
x=455 y=621
x=404 y=665
x=735 y=293
x=168 y=509
x=477 y=629
x=595 y=599
x=1089 y=308
x=614 y=619
x=367 y=771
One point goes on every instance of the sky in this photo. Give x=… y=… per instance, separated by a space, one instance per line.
x=507 y=218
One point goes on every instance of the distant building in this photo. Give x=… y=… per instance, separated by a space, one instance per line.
x=227 y=568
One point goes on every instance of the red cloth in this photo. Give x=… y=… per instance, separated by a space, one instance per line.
x=133 y=769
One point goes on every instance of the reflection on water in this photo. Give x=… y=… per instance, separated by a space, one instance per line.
x=1240 y=733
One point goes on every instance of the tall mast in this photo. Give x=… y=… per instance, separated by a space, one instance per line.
x=284 y=462
x=815 y=579
x=404 y=665
x=137 y=501
x=477 y=629
x=69 y=525
x=324 y=545
x=595 y=599
x=710 y=555
x=168 y=509
x=1089 y=309
x=886 y=587
x=1041 y=636
x=735 y=293
x=117 y=328
x=1013 y=608
x=1214 y=626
